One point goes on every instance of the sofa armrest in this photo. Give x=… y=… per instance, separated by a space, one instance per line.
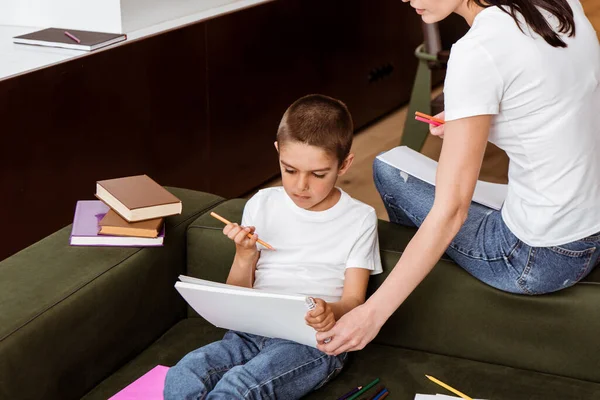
x=70 y=316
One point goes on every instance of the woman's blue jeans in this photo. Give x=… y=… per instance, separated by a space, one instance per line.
x=484 y=246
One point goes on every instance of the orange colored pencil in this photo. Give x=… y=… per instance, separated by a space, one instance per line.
x=223 y=220
x=423 y=115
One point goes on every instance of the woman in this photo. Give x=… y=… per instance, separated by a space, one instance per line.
x=525 y=77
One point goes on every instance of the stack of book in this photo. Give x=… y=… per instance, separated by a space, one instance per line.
x=130 y=212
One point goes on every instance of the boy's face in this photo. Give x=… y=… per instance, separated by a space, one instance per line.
x=309 y=175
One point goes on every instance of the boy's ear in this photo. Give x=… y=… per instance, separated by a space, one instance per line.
x=276 y=146
x=346 y=164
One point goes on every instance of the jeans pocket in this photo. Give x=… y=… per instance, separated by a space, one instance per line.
x=549 y=269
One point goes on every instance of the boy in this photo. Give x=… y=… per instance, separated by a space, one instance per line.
x=326 y=247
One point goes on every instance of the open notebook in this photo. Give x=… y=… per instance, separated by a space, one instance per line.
x=420 y=166
x=249 y=310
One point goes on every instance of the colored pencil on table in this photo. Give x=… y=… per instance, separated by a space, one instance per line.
x=381 y=394
x=429 y=117
x=72 y=37
x=223 y=220
x=448 y=387
x=379 y=389
x=350 y=393
x=364 y=389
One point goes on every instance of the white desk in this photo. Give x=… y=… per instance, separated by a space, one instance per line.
x=18 y=59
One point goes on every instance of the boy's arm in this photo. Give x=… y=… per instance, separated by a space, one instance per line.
x=355 y=291
x=246 y=255
x=365 y=253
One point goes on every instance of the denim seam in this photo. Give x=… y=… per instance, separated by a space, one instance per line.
x=587 y=264
x=572 y=253
x=521 y=280
x=258 y=386
x=515 y=248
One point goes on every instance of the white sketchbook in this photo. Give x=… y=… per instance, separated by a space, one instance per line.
x=420 y=166
x=249 y=310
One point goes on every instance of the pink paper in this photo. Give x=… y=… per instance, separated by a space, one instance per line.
x=148 y=387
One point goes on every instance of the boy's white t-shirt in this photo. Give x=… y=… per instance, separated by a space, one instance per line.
x=546 y=107
x=313 y=249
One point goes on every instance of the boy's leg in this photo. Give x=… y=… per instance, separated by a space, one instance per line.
x=199 y=371
x=484 y=245
x=282 y=370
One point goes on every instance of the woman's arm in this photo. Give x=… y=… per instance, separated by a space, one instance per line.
x=458 y=169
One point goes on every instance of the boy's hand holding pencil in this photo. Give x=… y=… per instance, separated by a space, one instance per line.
x=244 y=238
x=321 y=318
x=249 y=232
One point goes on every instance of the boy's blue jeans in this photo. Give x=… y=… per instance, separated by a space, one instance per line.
x=484 y=246
x=245 y=366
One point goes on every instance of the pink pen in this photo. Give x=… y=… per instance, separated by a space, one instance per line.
x=72 y=37
x=428 y=121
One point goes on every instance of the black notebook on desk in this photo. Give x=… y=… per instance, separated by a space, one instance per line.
x=70 y=39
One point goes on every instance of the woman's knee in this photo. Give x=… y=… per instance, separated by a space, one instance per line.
x=384 y=176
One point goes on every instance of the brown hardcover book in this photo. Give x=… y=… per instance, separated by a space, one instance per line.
x=113 y=224
x=138 y=198
x=70 y=39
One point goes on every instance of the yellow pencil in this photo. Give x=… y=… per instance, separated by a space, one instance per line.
x=450 y=388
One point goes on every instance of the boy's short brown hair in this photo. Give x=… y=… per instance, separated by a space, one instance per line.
x=319 y=121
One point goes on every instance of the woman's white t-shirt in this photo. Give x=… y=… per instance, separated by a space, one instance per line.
x=546 y=107
x=313 y=249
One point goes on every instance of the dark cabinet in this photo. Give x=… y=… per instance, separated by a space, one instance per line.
x=194 y=107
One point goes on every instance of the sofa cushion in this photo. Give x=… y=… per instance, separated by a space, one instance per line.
x=452 y=313
x=402 y=371
x=69 y=316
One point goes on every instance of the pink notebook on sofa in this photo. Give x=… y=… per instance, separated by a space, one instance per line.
x=148 y=387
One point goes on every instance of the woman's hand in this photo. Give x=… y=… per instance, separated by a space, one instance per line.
x=352 y=332
x=245 y=247
x=438 y=130
x=321 y=318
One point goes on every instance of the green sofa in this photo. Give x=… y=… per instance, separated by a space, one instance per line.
x=83 y=322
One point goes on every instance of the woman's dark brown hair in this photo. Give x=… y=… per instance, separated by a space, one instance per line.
x=535 y=19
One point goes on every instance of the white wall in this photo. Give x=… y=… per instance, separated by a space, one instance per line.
x=118 y=16
x=137 y=14
x=92 y=15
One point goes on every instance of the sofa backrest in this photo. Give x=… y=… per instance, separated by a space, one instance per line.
x=452 y=313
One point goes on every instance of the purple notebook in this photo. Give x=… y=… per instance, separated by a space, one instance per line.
x=88 y=214
x=148 y=387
